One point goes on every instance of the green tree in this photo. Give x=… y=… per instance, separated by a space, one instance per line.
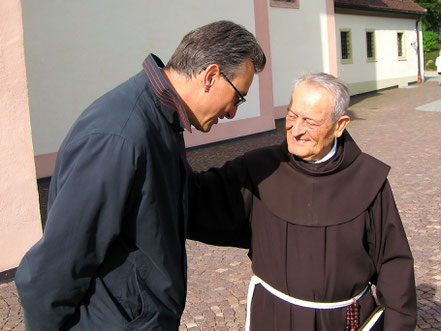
x=431 y=21
x=430 y=39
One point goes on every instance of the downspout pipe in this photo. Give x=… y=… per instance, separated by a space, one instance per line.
x=418 y=48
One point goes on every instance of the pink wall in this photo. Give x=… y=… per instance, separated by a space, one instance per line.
x=45 y=164
x=19 y=209
x=332 y=40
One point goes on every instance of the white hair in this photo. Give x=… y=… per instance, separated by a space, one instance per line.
x=334 y=85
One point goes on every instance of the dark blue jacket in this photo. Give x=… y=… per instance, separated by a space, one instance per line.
x=113 y=252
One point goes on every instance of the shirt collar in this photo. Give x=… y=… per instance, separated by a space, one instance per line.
x=166 y=95
x=329 y=155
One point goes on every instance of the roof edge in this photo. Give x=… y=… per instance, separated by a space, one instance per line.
x=378 y=9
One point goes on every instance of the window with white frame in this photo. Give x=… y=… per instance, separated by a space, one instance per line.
x=370 y=46
x=346 y=46
x=401 y=48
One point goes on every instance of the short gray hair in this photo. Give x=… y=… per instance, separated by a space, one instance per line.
x=334 y=85
x=224 y=43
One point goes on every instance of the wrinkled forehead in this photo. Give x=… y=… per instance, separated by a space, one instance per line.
x=311 y=93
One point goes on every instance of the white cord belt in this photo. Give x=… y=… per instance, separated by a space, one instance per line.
x=302 y=303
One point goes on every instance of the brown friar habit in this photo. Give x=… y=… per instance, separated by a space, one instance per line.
x=319 y=232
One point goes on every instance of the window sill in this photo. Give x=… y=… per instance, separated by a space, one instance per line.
x=347 y=61
x=284 y=4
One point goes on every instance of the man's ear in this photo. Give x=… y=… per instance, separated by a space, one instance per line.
x=341 y=124
x=211 y=74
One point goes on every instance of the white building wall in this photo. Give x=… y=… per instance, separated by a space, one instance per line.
x=299 y=44
x=388 y=70
x=78 y=50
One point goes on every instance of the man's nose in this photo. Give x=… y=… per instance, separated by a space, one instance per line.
x=298 y=127
x=231 y=113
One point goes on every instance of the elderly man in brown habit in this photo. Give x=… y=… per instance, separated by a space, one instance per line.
x=319 y=218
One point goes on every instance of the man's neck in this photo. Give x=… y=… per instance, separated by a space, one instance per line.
x=184 y=88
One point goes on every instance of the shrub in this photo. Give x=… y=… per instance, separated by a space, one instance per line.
x=430 y=57
x=430 y=39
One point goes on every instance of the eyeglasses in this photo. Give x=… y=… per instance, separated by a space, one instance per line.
x=240 y=97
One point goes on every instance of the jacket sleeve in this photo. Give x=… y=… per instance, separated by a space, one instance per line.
x=92 y=180
x=219 y=205
x=395 y=284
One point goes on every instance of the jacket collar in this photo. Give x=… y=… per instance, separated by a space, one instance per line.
x=167 y=96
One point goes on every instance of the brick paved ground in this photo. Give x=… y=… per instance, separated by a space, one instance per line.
x=386 y=125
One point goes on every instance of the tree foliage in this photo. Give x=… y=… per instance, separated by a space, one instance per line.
x=430 y=39
x=431 y=21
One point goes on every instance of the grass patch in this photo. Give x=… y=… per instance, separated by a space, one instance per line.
x=430 y=57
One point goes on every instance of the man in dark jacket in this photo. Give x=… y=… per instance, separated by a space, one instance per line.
x=112 y=256
x=323 y=219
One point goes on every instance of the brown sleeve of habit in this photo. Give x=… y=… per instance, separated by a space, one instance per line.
x=218 y=212
x=394 y=263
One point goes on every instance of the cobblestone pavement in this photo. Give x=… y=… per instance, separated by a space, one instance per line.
x=386 y=125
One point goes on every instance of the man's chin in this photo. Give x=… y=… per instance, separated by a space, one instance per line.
x=299 y=152
x=203 y=127
x=206 y=128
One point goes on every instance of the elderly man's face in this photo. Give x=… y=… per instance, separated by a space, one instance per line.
x=310 y=131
